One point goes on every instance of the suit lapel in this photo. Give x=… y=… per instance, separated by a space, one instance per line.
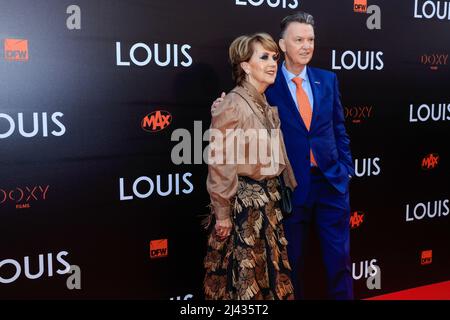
x=286 y=95
x=316 y=87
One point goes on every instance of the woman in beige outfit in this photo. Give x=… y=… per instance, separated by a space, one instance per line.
x=246 y=255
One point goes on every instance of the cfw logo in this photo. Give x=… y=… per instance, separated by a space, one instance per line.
x=141 y=55
x=430 y=209
x=159 y=248
x=362 y=60
x=156 y=121
x=360 y=6
x=16 y=49
x=10 y=269
x=429 y=9
x=433 y=112
x=356 y=219
x=367 y=167
x=271 y=3
x=358 y=114
x=430 y=161
x=435 y=60
x=22 y=196
x=374 y=20
x=426 y=257
x=8 y=125
x=143 y=187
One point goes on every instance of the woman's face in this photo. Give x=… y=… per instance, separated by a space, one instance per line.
x=262 y=67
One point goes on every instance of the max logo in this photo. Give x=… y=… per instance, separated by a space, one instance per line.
x=430 y=161
x=156 y=121
x=356 y=219
x=360 y=6
x=427 y=257
x=16 y=50
x=158 y=248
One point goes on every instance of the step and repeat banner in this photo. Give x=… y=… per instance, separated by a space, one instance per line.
x=103 y=109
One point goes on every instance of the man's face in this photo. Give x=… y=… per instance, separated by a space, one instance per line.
x=298 y=44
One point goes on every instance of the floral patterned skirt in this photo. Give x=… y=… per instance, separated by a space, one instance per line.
x=252 y=263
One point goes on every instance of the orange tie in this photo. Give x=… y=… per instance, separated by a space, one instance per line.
x=304 y=107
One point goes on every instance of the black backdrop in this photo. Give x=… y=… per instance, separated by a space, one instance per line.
x=62 y=188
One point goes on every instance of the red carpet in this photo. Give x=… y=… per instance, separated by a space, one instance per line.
x=437 y=291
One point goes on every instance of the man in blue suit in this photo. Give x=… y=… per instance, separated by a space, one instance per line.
x=318 y=149
x=312 y=121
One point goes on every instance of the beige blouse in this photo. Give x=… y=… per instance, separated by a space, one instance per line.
x=232 y=114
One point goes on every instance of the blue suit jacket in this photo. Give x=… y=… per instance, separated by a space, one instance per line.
x=327 y=136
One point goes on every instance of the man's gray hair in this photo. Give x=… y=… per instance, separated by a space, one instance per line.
x=300 y=16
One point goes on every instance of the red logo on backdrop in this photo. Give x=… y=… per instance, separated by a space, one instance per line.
x=427 y=257
x=156 y=121
x=358 y=114
x=435 y=60
x=16 y=49
x=360 y=6
x=159 y=248
x=356 y=219
x=22 y=196
x=430 y=161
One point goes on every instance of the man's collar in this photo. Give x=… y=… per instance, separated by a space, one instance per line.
x=289 y=75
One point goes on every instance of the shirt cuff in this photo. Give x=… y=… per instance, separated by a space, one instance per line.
x=222 y=213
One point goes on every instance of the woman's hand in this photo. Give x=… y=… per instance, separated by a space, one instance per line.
x=217 y=102
x=223 y=228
